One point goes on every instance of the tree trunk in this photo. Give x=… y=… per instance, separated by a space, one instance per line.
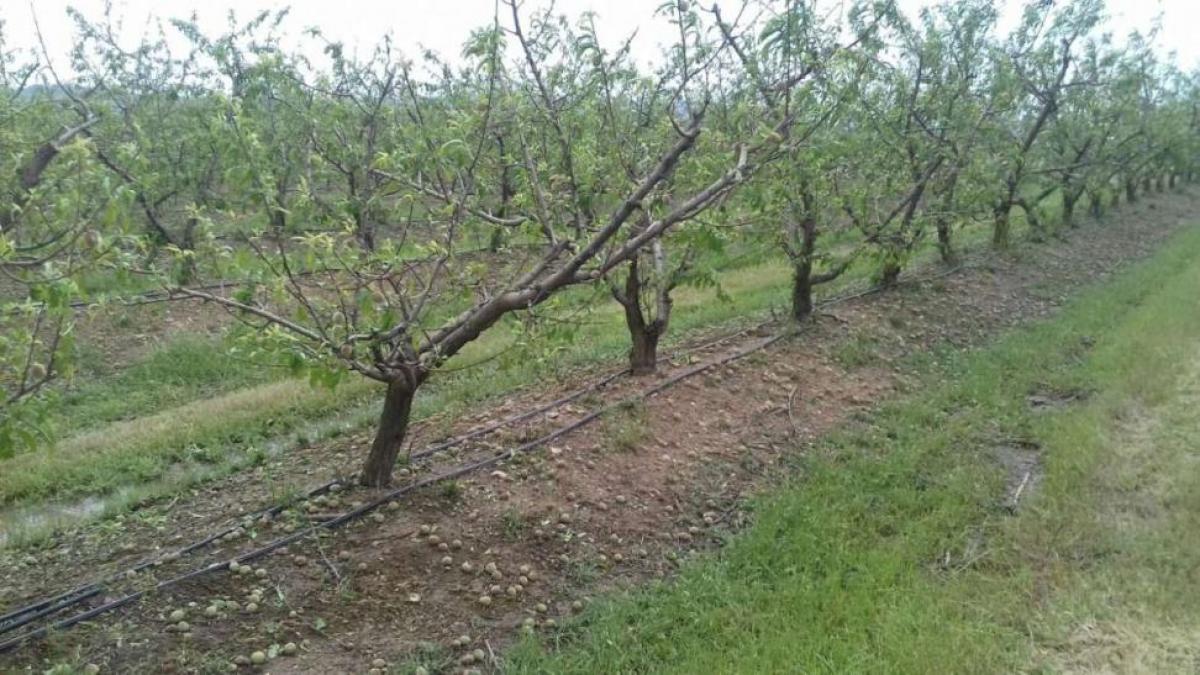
x=364 y=228
x=802 y=264
x=1160 y=184
x=496 y=240
x=1000 y=227
x=1036 y=226
x=1096 y=204
x=802 y=291
x=643 y=350
x=1173 y=180
x=389 y=439
x=366 y=239
x=643 y=335
x=1131 y=191
x=889 y=274
x=945 y=244
x=188 y=271
x=1068 y=215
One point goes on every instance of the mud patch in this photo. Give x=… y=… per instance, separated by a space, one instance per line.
x=1022 y=463
x=1046 y=400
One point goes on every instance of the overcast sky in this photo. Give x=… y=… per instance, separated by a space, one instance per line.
x=442 y=24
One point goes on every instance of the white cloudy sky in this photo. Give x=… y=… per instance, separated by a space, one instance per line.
x=442 y=24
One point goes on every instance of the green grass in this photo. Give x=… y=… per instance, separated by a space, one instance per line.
x=890 y=552
x=185 y=369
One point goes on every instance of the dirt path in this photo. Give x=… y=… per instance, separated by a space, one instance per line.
x=611 y=505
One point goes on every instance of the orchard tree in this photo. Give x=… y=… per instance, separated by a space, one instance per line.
x=398 y=312
x=1034 y=69
x=631 y=106
x=1088 y=129
x=904 y=119
x=793 y=67
x=957 y=40
x=153 y=134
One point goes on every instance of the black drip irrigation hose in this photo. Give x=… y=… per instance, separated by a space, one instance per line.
x=402 y=491
x=28 y=614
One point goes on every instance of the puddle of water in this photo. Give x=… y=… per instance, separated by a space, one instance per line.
x=58 y=515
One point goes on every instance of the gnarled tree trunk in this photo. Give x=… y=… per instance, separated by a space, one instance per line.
x=389 y=439
x=644 y=334
x=643 y=350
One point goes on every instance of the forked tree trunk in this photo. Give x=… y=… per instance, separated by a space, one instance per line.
x=389 y=439
x=188 y=271
x=643 y=350
x=1039 y=230
x=643 y=335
